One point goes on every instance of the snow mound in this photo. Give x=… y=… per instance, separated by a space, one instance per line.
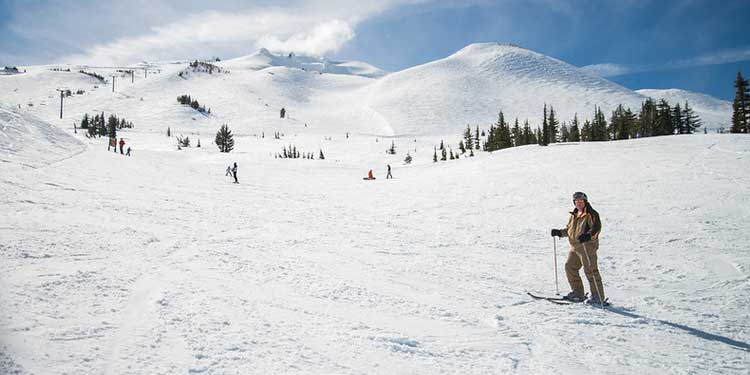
x=475 y=83
x=714 y=112
x=264 y=59
x=29 y=141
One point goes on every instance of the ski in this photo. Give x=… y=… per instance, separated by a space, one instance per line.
x=557 y=300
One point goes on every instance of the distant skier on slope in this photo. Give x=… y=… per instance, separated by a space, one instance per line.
x=583 y=231
x=369 y=176
x=122 y=143
x=389 y=175
x=229 y=171
x=234 y=173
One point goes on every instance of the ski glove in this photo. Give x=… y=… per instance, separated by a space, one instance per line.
x=584 y=237
x=556 y=233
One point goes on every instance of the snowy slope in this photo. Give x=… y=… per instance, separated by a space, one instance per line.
x=714 y=113
x=157 y=264
x=29 y=141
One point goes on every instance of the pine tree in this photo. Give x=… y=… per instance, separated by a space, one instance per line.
x=598 y=126
x=528 y=135
x=564 y=133
x=392 y=150
x=199 y=143
x=224 y=139
x=664 y=123
x=586 y=131
x=741 y=106
x=575 y=132
x=112 y=126
x=434 y=156
x=476 y=139
x=443 y=155
x=450 y=152
x=692 y=121
x=461 y=146
x=553 y=125
x=442 y=147
x=85 y=121
x=678 y=122
x=545 y=129
x=647 y=119
x=467 y=137
x=169 y=132
x=321 y=156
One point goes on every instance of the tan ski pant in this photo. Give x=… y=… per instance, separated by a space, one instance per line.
x=576 y=260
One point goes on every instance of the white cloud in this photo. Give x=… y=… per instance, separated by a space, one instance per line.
x=314 y=28
x=720 y=57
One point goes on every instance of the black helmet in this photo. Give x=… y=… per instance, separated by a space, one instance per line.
x=580 y=195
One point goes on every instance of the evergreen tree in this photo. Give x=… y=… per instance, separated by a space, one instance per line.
x=544 y=139
x=476 y=139
x=664 y=123
x=112 y=126
x=564 y=133
x=620 y=123
x=647 y=119
x=528 y=135
x=599 y=126
x=392 y=150
x=434 y=156
x=85 y=121
x=443 y=154
x=199 y=143
x=516 y=134
x=468 y=138
x=224 y=139
x=575 y=132
x=321 y=156
x=586 y=131
x=741 y=106
x=442 y=147
x=450 y=152
x=678 y=123
x=691 y=120
x=553 y=125
x=461 y=146
x=169 y=132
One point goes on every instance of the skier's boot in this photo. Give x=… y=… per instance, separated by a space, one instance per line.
x=574 y=297
x=596 y=301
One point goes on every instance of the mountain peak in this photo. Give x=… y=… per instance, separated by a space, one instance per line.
x=264 y=58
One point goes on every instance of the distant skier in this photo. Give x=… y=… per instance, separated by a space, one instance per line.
x=122 y=143
x=389 y=175
x=369 y=176
x=229 y=171
x=234 y=173
x=128 y=153
x=583 y=231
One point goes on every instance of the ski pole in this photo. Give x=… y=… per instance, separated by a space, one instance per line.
x=554 y=245
x=593 y=275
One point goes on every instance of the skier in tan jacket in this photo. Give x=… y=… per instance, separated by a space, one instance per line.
x=583 y=231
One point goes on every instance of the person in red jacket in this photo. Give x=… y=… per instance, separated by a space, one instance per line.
x=122 y=143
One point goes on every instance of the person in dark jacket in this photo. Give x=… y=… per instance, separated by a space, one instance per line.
x=583 y=231
x=234 y=173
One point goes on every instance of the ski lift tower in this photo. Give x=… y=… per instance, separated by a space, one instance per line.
x=62 y=90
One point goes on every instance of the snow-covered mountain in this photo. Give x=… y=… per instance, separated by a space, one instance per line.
x=712 y=111
x=264 y=59
x=474 y=84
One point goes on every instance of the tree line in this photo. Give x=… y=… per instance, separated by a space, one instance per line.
x=193 y=103
x=96 y=125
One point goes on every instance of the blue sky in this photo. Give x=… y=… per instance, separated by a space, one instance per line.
x=692 y=44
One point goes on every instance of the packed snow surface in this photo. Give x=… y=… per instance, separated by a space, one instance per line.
x=158 y=264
